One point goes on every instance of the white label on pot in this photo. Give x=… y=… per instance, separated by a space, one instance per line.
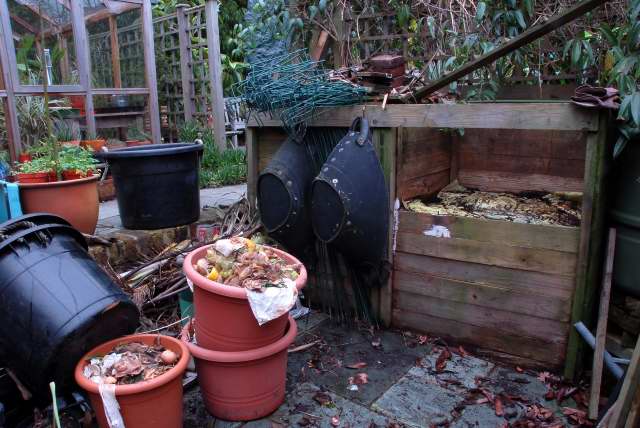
x=110 y=404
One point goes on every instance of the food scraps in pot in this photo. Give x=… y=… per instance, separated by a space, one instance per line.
x=130 y=363
x=240 y=262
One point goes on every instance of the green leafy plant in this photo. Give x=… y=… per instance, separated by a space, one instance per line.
x=38 y=164
x=189 y=131
x=134 y=133
x=63 y=131
x=78 y=159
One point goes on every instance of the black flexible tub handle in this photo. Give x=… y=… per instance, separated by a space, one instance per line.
x=364 y=132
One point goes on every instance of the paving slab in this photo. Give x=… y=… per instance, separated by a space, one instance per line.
x=326 y=364
x=460 y=373
x=309 y=403
x=476 y=416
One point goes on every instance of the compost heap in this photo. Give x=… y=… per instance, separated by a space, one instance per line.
x=549 y=209
x=130 y=363
x=267 y=278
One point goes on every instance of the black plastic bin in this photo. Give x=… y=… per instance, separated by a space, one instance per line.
x=56 y=303
x=157 y=185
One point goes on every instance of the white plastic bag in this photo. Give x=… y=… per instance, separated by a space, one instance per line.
x=272 y=302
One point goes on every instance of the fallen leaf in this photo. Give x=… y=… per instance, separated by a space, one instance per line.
x=376 y=343
x=550 y=395
x=335 y=421
x=488 y=394
x=463 y=353
x=519 y=369
x=423 y=339
x=361 y=379
x=441 y=362
x=359 y=365
x=305 y=421
x=482 y=400
x=544 y=376
x=499 y=408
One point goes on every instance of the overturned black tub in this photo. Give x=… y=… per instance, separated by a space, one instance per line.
x=157 y=185
x=350 y=201
x=56 y=303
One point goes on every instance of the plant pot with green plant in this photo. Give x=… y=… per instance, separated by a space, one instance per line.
x=135 y=137
x=36 y=170
x=65 y=133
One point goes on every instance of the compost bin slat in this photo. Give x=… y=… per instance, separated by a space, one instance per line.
x=535 y=283
x=501 y=321
x=492 y=181
x=557 y=238
x=543 y=352
x=484 y=295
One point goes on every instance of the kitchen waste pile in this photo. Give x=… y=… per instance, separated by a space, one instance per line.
x=130 y=363
x=268 y=279
x=550 y=209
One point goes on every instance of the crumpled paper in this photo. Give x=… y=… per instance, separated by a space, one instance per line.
x=270 y=303
x=111 y=406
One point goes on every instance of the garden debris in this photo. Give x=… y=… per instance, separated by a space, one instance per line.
x=458 y=201
x=130 y=363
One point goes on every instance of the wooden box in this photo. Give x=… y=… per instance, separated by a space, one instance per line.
x=512 y=290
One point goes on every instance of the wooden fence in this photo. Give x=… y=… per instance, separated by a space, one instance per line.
x=181 y=61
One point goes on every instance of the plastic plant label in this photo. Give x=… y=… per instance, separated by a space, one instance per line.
x=110 y=404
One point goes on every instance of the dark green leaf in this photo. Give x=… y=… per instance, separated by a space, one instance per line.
x=635 y=108
x=605 y=30
x=528 y=5
x=322 y=5
x=620 y=145
x=313 y=10
x=431 y=25
x=567 y=48
x=575 y=53
x=520 y=18
x=589 y=50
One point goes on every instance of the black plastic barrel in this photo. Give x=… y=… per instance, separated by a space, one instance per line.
x=350 y=200
x=157 y=185
x=283 y=188
x=56 y=303
x=625 y=213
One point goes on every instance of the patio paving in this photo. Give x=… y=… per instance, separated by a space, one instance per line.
x=407 y=386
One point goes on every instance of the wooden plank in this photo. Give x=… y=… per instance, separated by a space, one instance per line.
x=319 y=49
x=591 y=234
x=115 y=52
x=484 y=337
x=484 y=295
x=487 y=253
x=150 y=70
x=517 y=116
x=517 y=42
x=535 y=283
x=601 y=330
x=185 y=62
x=251 y=144
x=215 y=73
x=539 y=166
x=83 y=62
x=270 y=140
x=628 y=392
x=503 y=233
x=425 y=187
x=494 y=181
x=502 y=321
x=9 y=103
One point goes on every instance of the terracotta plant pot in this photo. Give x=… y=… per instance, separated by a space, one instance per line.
x=225 y=321
x=75 y=174
x=95 y=145
x=246 y=385
x=72 y=143
x=77 y=102
x=33 y=177
x=134 y=143
x=75 y=200
x=24 y=157
x=153 y=403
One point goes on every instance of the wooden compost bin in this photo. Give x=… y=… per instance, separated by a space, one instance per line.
x=512 y=289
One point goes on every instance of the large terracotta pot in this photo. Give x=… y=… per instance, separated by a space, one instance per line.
x=246 y=385
x=153 y=403
x=74 y=200
x=225 y=321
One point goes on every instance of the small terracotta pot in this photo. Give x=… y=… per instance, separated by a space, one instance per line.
x=77 y=102
x=33 y=177
x=74 y=174
x=225 y=321
x=246 y=385
x=24 y=157
x=95 y=145
x=75 y=200
x=153 y=403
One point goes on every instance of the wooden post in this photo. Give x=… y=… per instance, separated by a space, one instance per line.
x=9 y=102
x=150 y=70
x=215 y=73
x=83 y=60
x=186 y=71
x=115 y=52
x=591 y=235
x=65 y=65
x=251 y=143
x=601 y=329
x=628 y=394
x=339 y=45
